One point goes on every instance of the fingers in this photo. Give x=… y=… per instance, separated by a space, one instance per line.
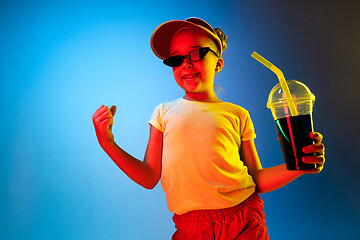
x=318 y=160
x=104 y=109
x=103 y=115
x=113 y=110
x=318 y=148
x=314 y=171
x=319 y=151
x=316 y=136
x=98 y=111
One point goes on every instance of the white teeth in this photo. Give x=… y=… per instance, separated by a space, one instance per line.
x=189 y=76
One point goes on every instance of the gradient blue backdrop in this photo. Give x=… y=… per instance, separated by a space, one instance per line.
x=60 y=60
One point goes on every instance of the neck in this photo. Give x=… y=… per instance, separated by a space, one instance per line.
x=202 y=97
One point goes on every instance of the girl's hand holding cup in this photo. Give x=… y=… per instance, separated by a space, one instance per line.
x=103 y=121
x=319 y=153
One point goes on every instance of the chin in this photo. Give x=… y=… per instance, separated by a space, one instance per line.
x=192 y=88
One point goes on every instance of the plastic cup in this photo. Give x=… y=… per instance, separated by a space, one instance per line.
x=293 y=131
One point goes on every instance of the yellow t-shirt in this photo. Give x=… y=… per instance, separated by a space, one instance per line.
x=201 y=166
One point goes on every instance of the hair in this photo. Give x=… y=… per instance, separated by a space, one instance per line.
x=223 y=38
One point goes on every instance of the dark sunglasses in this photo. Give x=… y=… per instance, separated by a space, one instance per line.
x=193 y=56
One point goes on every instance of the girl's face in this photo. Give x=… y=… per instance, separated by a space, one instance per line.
x=196 y=78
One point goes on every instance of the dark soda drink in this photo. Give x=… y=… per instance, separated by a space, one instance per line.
x=293 y=135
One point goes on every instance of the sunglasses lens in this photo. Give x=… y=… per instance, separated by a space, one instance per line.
x=194 y=56
x=199 y=54
x=174 y=61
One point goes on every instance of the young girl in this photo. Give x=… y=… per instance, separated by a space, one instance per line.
x=201 y=147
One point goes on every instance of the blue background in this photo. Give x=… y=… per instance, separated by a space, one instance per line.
x=59 y=61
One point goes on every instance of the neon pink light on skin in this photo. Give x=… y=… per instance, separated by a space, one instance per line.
x=292 y=142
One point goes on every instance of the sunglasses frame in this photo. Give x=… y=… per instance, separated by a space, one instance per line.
x=202 y=53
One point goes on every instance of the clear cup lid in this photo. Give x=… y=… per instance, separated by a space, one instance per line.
x=299 y=91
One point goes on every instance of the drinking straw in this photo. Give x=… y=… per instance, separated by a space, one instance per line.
x=282 y=81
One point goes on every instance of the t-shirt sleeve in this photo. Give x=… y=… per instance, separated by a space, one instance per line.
x=156 y=119
x=248 y=131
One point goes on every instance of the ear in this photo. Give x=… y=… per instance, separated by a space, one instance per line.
x=219 y=65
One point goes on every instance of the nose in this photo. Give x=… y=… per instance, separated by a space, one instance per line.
x=187 y=63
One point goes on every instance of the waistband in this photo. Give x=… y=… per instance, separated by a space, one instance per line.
x=205 y=215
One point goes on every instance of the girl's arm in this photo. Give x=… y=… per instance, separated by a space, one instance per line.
x=146 y=173
x=270 y=179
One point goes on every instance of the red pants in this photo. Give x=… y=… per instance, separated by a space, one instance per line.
x=244 y=221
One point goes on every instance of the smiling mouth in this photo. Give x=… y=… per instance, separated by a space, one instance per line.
x=190 y=76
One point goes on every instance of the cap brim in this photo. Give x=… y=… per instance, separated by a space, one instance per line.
x=161 y=37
